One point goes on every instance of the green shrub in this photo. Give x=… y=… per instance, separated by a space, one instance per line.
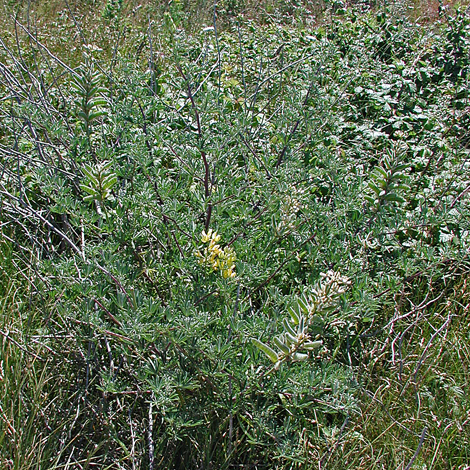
x=261 y=191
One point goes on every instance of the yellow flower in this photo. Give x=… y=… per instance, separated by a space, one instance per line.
x=213 y=256
x=210 y=236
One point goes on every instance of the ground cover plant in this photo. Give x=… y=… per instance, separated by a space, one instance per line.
x=238 y=245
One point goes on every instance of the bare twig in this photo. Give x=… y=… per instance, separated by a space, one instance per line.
x=97 y=328
x=207 y=175
x=294 y=252
x=110 y=315
x=421 y=441
x=18 y=345
x=268 y=174
x=294 y=128
x=423 y=356
x=62 y=64
x=150 y=435
x=46 y=222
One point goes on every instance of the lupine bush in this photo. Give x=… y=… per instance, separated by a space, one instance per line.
x=227 y=232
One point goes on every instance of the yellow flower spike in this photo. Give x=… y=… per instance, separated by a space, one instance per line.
x=214 y=257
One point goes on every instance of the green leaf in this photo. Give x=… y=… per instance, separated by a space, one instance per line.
x=88 y=189
x=96 y=115
x=392 y=197
x=293 y=314
x=382 y=172
x=374 y=187
x=266 y=349
x=312 y=345
x=290 y=339
x=281 y=345
x=83 y=115
x=403 y=187
x=79 y=88
x=98 y=102
x=303 y=303
x=288 y=328
x=401 y=167
x=88 y=170
x=109 y=182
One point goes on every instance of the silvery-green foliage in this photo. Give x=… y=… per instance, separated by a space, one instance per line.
x=98 y=182
x=90 y=101
x=306 y=312
x=387 y=183
x=333 y=162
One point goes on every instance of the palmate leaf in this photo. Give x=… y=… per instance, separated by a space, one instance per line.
x=266 y=349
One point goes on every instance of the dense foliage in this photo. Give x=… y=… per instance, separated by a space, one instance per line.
x=224 y=241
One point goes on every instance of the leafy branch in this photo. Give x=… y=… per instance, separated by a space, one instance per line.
x=86 y=83
x=295 y=342
x=387 y=183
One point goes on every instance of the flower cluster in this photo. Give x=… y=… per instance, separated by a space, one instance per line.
x=214 y=257
x=332 y=285
x=291 y=205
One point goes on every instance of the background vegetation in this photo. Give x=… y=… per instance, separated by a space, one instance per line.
x=234 y=235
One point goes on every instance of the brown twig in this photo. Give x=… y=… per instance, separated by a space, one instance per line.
x=110 y=315
x=106 y=332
